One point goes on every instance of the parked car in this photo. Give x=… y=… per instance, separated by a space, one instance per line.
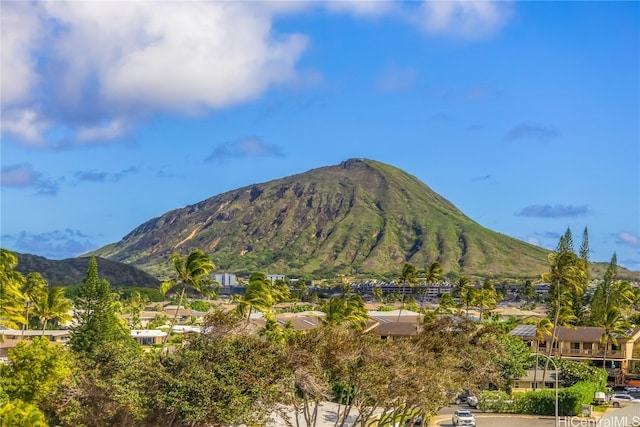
x=620 y=399
x=462 y=397
x=463 y=417
x=472 y=401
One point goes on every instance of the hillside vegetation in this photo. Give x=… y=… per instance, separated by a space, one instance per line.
x=360 y=217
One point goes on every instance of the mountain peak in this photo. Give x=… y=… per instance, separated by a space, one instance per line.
x=358 y=217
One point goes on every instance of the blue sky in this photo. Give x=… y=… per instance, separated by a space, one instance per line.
x=525 y=115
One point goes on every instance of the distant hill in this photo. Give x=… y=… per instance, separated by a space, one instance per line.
x=358 y=217
x=72 y=271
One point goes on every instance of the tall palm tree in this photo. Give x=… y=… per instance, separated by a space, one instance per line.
x=348 y=310
x=434 y=273
x=566 y=272
x=487 y=299
x=192 y=272
x=258 y=295
x=544 y=329
x=408 y=276
x=468 y=296
x=12 y=299
x=614 y=325
x=33 y=285
x=51 y=304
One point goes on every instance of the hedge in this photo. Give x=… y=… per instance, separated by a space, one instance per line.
x=543 y=402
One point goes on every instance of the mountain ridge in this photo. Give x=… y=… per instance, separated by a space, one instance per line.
x=359 y=217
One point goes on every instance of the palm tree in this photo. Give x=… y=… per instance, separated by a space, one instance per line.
x=192 y=272
x=258 y=295
x=348 y=310
x=33 y=285
x=434 y=273
x=468 y=296
x=51 y=304
x=12 y=300
x=408 y=276
x=544 y=329
x=486 y=299
x=614 y=325
x=566 y=272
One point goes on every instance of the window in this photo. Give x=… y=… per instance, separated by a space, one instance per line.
x=575 y=346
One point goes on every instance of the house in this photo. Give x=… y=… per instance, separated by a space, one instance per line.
x=527 y=381
x=584 y=343
x=9 y=338
x=148 y=337
x=394 y=324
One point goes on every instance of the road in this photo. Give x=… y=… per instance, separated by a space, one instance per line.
x=491 y=420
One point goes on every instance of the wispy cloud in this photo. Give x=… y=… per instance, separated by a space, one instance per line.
x=56 y=244
x=96 y=176
x=397 y=79
x=246 y=147
x=464 y=19
x=538 y=132
x=556 y=211
x=23 y=176
x=628 y=239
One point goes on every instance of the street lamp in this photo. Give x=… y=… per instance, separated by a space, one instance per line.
x=555 y=367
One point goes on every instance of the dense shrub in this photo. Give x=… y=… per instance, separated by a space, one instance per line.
x=570 y=400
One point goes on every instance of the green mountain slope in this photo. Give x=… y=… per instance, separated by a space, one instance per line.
x=72 y=271
x=359 y=217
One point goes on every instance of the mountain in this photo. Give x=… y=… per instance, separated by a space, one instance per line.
x=72 y=271
x=358 y=217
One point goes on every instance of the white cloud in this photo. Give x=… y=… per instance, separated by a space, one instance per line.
x=363 y=8
x=107 y=60
x=176 y=56
x=26 y=124
x=19 y=30
x=105 y=132
x=463 y=18
x=629 y=239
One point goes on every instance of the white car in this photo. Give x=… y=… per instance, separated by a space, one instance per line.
x=620 y=399
x=472 y=401
x=462 y=417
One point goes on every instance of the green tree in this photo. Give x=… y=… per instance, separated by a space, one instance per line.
x=377 y=293
x=468 y=296
x=614 y=325
x=133 y=306
x=33 y=286
x=193 y=272
x=96 y=318
x=346 y=310
x=544 y=330
x=258 y=295
x=12 y=300
x=486 y=298
x=434 y=273
x=21 y=414
x=34 y=370
x=566 y=273
x=446 y=304
x=51 y=304
x=408 y=277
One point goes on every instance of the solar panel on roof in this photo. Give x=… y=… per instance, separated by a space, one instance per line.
x=524 y=331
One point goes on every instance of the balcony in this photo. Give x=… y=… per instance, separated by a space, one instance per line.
x=589 y=353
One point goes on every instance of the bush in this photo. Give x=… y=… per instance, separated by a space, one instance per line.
x=570 y=400
x=495 y=401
